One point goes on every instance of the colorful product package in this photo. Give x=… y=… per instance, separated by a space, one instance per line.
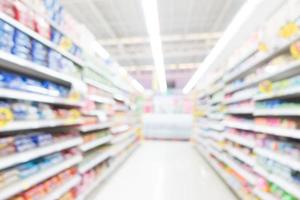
x=27 y=169
x=23 y=14
x=42 y=27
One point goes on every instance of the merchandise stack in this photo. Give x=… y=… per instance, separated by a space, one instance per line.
x=57 y=126
x=257 y=153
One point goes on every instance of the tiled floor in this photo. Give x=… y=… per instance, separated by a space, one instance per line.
x=164 y=171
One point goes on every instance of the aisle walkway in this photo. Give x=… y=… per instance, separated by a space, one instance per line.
x=164 y=171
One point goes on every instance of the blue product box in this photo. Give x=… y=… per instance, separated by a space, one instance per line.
x=6 y=27
x=55 y=36
x=24 y=144
x=6 y=49
x=54 y=60
x=27 y=169
x=64 y=92
x=44 y=164
x=23 y=55
x=40 y=62
x=13 y=81
x=20 y=49
x=51 y=86
x=42 y=139
x=7 y=38
x=21 y=39
x=20 y=111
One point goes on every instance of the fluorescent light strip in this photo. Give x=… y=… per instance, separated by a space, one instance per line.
x=231 y=31
x=134 y=82
x=152 y=23
x=101 y=51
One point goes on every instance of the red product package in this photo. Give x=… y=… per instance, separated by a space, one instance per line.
x=42 y=27
x=6 y=6
x=65 y=176
x=35 y=193
x=51 y=184
x=23 y=14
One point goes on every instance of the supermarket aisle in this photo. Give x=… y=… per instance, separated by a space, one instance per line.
x=165 y=171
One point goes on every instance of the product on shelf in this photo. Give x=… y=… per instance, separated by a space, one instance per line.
x=280 y=86
x=7 y=37
x=26 y=111
x=89 y=177
x=240 y=94
x=276 y=64
x=289 y=123
x=280 y=170
x=10 y=145
x=277 y=104
x=94 y=135
x=247 y=104
x=49 y=186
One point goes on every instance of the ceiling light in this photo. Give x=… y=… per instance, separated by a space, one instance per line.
x=240 y=19
x=138 y=86
x=152 y=23
x=101 y=51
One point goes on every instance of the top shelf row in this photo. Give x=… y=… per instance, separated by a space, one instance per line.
x=248 y=65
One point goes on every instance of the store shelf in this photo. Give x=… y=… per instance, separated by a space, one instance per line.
x=38 y=124
x=100 y=86
x=117 y=149
x=219 y=171
x=100 y=99
x=287 y=93
x=218 y=117
x=216 y=88
x=18 y=158
x=263 y=195
x=22 y=95
x=14 y=63
x=119 y=129
x=257 y=62
x=285 y=71
x=288 y=186
x=122 y=137
x=39 y=177
x=95 y=113
x=106 y=174
x=234 y=88
x=239 y=98
x=240 y=140
x=91 y=163
x=251 y=178
x=277 y=112
x=56 y=194
x=94 y=127
x=95 y=143
x=40 y=38
x=242 y=59
x=284 y=159
x=216 y=146
x=240 y=111
x=284 y=132
x=216 y=101
x=217 y=126
x=213 y=135
x=241 y=156
x=239 y=125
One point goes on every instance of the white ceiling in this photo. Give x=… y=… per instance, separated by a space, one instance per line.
x=189 y=27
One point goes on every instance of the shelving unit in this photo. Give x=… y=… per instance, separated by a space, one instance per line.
x=261 y=120
x=48 y=122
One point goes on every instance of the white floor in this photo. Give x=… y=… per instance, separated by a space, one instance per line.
x=164 y=171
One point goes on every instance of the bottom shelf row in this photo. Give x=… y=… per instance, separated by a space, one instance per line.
x=248 y=183
x=63 y=180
